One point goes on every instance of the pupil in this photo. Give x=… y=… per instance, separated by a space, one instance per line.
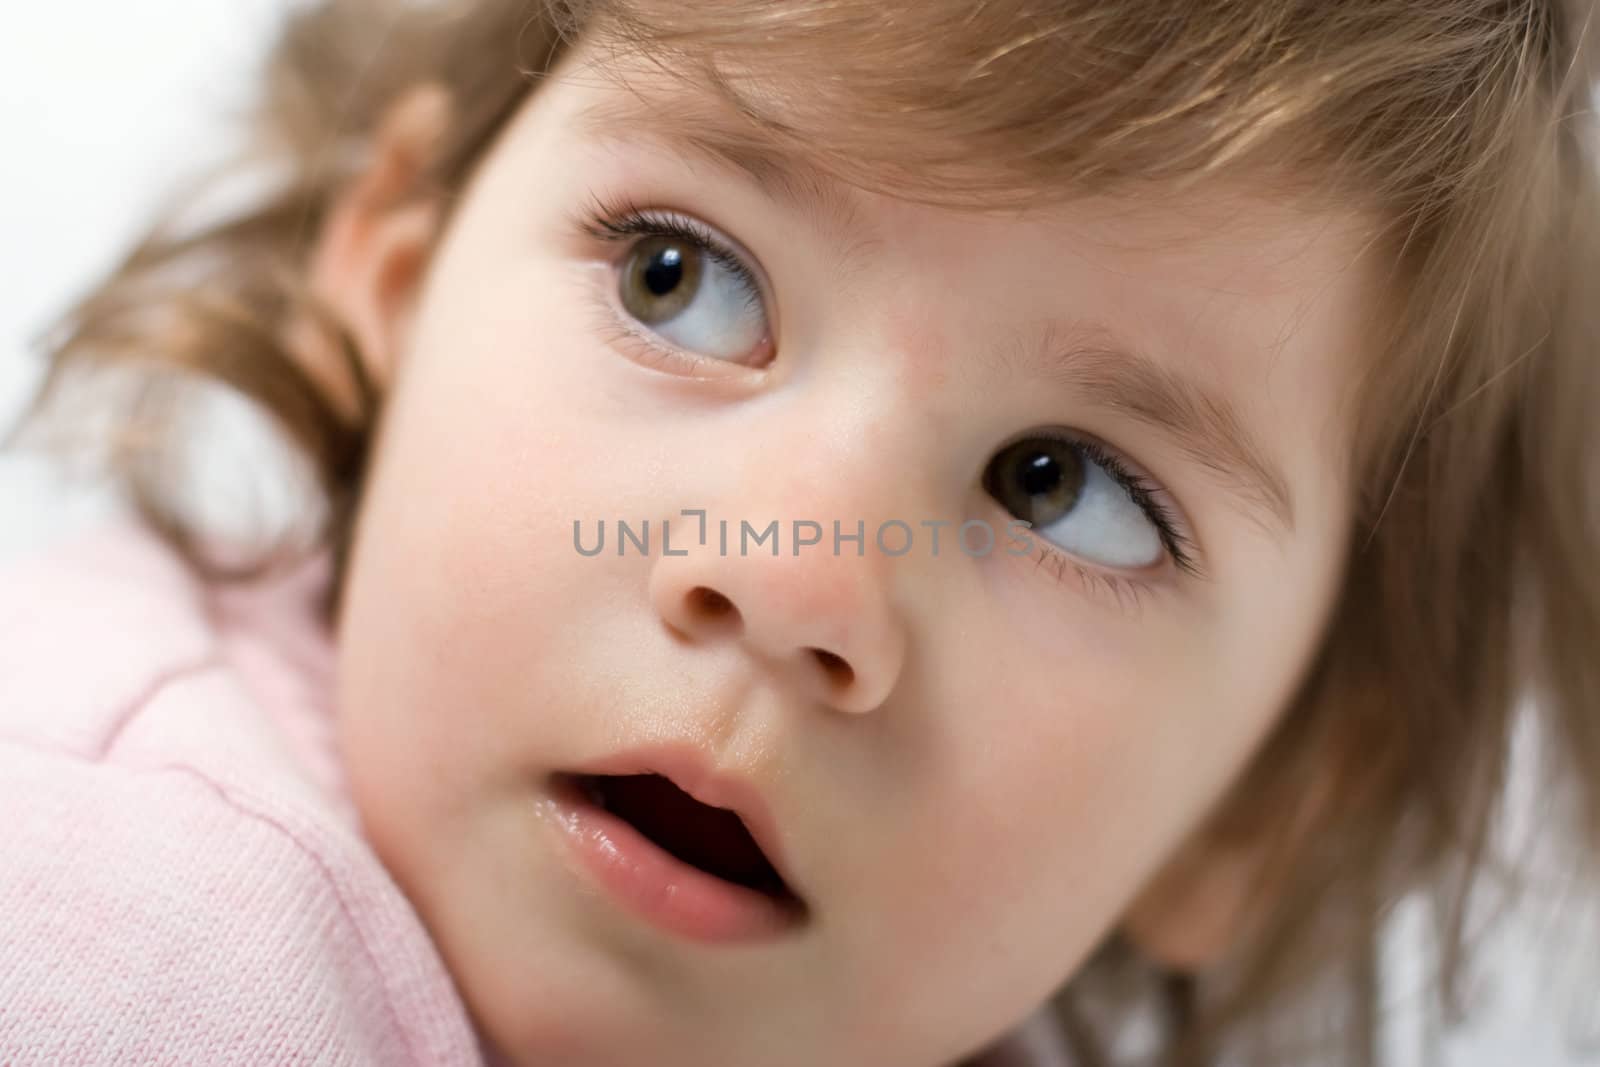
x=1039 y=474
x=664 y=272
x=1039 y=479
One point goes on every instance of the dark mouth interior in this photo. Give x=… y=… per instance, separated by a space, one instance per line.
x=712 y=839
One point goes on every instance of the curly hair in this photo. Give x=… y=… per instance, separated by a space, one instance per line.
x=1469 y=595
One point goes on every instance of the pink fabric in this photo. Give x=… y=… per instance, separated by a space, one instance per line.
x=182 y=879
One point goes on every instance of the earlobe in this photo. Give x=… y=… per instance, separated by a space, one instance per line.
x=1194 y=910
x=378 y=235
x=1204 y=901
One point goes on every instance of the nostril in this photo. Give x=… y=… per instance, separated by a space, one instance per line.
x=709 y=602
x=837 y=669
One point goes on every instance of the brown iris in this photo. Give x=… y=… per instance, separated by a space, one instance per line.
x=660 y=278
x=1037 y=479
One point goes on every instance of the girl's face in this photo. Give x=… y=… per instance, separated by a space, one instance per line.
x=973 y=760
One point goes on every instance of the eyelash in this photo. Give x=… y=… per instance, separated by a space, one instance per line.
x=1144 y=494
x=620 y=220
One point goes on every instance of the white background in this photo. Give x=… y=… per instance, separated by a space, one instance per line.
x=103 y=103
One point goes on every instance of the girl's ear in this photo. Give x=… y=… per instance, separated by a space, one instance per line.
x=368 y=260
x=1188 y=916
x=1199 y=905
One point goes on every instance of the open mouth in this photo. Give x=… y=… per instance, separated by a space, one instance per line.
x=714 y=840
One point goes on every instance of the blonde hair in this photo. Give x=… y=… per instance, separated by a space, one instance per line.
x=1460 y=122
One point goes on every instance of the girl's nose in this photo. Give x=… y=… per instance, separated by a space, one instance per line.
x=823 y=618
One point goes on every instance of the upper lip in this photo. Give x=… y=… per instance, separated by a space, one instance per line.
x=689 y=771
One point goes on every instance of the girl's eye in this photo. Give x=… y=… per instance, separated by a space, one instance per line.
x=686 y=294
x=1084 y=501
x=681 y=284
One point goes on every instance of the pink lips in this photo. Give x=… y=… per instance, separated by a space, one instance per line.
x=675 y=895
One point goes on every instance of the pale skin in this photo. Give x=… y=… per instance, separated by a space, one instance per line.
x=1022 y=757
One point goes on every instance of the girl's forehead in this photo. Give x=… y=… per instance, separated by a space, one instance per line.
x=804 y=150
x=990 y=106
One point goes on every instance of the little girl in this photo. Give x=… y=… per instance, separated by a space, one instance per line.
x=868 y=533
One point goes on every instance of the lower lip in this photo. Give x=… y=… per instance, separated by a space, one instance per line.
x=675 y=896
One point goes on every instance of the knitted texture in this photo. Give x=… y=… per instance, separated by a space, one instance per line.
x=182 y=879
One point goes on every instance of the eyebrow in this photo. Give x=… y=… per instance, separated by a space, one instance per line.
x=714 y=136
x=1088 y=361
x=1084 y=359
